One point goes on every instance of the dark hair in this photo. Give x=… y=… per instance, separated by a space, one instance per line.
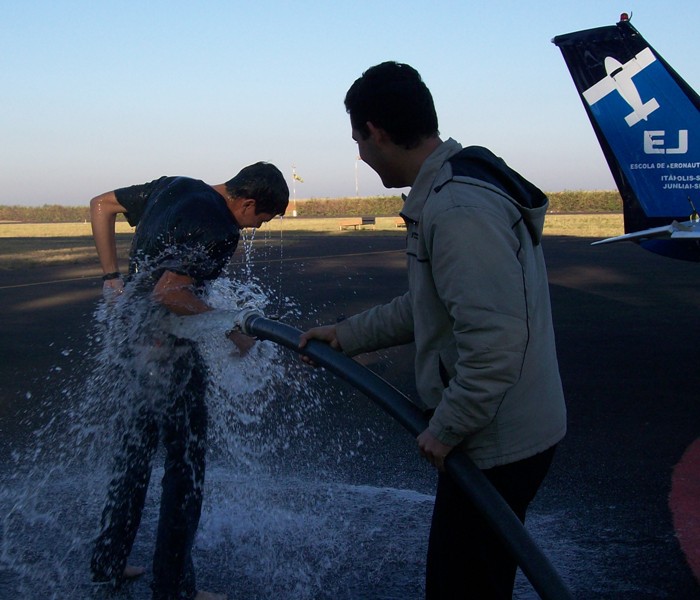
x=264 y=183
x=392 y=96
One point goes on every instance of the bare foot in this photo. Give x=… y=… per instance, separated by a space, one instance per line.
x=131 y=572
x=209 y=596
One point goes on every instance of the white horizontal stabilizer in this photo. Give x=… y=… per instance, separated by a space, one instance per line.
x=675 y=230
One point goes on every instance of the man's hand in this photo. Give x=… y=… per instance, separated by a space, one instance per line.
x=325 y=333
x=433 y=450
x=111 y=289
x=242 y=341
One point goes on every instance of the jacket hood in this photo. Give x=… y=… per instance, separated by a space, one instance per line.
x=480 y=163
x=476 y=165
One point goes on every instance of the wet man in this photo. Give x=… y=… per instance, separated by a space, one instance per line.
x=186 y=232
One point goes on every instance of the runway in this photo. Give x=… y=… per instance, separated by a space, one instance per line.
x=626 y=324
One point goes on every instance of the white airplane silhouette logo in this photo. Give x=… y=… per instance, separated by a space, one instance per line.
x=619 y=77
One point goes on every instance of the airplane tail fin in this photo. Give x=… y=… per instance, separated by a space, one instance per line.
x=646 y=119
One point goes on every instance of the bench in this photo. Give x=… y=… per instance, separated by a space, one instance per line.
x=357 y=222
x=399 y=222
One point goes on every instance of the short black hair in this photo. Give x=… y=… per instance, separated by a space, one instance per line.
x=394 y=97
x=264 y=183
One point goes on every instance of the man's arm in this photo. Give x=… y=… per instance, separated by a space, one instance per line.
x=176 y=293
x=103 y=215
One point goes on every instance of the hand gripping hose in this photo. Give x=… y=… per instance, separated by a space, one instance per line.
x=532 y=561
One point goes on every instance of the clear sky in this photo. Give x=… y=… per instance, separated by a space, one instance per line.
x=99 y=94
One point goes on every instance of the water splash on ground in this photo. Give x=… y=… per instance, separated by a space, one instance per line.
x=274 y=523
x=285 y=514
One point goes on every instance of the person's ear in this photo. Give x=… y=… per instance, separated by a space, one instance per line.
x=377 y=134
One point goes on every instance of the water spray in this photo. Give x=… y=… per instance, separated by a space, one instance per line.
x=532 y=561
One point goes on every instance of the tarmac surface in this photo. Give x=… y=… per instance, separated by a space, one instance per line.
x=620 y=492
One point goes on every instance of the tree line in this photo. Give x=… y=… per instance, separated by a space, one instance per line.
x=603 y=201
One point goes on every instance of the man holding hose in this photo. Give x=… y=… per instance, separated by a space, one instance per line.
x=478 y=310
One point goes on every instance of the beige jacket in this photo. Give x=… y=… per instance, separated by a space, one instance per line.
x=478 y=310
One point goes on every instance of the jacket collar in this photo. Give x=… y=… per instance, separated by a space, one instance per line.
x=424 y=183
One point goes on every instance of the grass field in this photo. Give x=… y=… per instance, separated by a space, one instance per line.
x=26 y=244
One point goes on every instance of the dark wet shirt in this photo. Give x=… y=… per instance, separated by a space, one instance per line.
x=182 y=225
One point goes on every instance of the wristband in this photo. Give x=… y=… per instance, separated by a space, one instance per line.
x=109 y=276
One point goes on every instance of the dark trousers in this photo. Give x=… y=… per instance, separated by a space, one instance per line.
x=180 y=420
x=466 y=560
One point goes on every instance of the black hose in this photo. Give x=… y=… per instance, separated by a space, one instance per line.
x=476 y=486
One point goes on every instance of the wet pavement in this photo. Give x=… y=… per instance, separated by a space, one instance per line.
x=626 y=324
